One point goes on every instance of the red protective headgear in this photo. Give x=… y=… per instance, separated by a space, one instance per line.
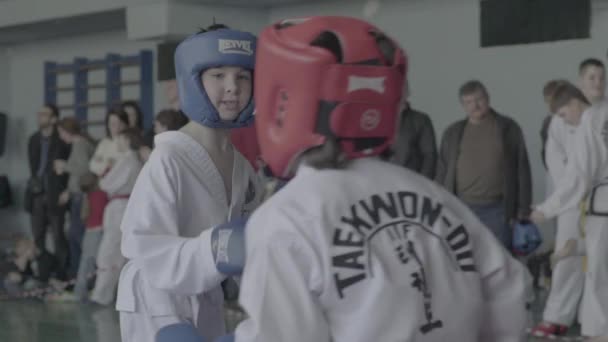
x=306 y=93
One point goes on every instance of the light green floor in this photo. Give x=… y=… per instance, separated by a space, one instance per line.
x=34 y=321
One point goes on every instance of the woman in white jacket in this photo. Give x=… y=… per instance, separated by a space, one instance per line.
x=106 y=153
x=118 y=183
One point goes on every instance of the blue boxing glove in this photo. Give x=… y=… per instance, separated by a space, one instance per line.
x=179 y=332
x=225 y=338
x=228 y=247
x=185 y=332
x=526 y=238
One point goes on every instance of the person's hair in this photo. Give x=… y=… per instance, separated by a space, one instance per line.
x=212 y=27
x=139 y=116
x=589 y=62
x=88 y=182
x=120 y=114
x=551 y=86
x=133 y=135
x=172 y=119
x=70 y=125
x=471 y=87
x=54 y=109
x=327 y=156
x=564 y=94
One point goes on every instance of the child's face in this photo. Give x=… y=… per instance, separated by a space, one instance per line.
x=593 y=83
x=571 y=113
x=229 y=90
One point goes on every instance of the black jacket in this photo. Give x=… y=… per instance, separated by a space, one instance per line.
x=57 y=150
x=415 y=146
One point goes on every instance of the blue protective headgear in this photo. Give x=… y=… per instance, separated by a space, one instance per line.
x=526 y=238
x=199 y=52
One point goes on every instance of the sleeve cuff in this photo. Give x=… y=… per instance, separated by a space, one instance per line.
x=548 y=209
x=213 y=276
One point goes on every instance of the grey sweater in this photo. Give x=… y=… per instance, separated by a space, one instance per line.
x=78 y=163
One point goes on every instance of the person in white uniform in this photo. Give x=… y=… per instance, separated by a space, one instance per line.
x=354 y=248
x=118 y=183
x=584 y=179
x=193 y=181
x=568 y=274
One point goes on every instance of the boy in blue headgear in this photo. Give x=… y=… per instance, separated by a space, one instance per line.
x=193 y=181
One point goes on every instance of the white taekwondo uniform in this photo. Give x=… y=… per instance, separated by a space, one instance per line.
x=171 y=276
x=586 y=178
x=376 y=252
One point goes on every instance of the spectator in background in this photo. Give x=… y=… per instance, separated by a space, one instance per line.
x=106 y=152
x=592 y=79
x=568 y=276
x=415 y=146
x=76 y=166
x=548 y=91
x=45 y=186
x=169 y=120
x=165 y=120
x=583 y=182
x=118 y=184
x=136 y=120
x=95 y=199
x=134 y=113
x=483 y=160
x=30 y=269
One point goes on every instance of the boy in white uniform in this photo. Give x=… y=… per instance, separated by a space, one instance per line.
x=585 y=179
x=193 y=181
x=354 y=248
x=568 y=276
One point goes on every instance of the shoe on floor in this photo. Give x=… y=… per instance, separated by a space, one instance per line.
x=549 y=330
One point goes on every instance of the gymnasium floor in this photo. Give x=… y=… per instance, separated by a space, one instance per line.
x=33 y=321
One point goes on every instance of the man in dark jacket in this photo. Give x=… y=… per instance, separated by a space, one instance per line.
x=45 y=186
x=415 y=146
x=483 y=160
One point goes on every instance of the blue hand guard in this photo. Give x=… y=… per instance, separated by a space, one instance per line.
x=526 y=238
x=228 y=247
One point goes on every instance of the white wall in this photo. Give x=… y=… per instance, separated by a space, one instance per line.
x=442 y=40
x=4 y=81
x=25 y=63
x=173 y=19
x=17 y=12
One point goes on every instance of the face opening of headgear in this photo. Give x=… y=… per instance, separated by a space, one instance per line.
x=326 y=78
x=215 y=48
